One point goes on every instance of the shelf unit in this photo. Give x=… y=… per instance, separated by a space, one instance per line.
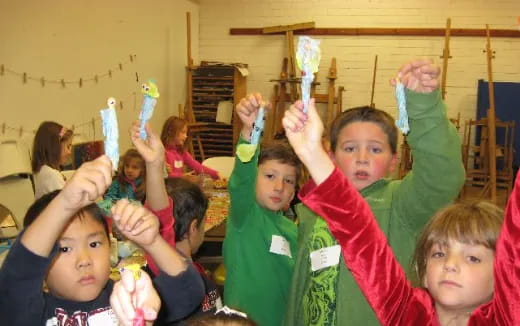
x=212 y=83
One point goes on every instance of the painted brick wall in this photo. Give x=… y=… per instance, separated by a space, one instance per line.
x=355 y=55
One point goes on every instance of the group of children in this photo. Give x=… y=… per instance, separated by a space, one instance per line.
x=349 y=260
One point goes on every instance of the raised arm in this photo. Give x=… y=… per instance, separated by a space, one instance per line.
x=86 y=185
x=243 y=178
x=437 y=171
x=506 y=298
x=179 y=285
x=152 y=151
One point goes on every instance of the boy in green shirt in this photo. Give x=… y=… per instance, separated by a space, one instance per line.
x=364 y=147
x=260 y=244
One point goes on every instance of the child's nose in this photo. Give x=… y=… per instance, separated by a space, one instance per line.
x=278 y=185
x=83 y=258
x=451 y=264
x=362 y=156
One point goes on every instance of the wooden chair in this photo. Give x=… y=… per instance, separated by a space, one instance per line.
x=475 y=154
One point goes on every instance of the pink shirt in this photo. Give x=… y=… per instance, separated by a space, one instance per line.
x=177 y=159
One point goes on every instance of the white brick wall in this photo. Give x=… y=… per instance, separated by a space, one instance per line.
x=355 y=54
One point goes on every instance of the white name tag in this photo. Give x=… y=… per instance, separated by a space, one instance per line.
x=325 y=257
x=178 y=164
x=280 y=246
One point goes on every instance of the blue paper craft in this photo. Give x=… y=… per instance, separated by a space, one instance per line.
x=308 y=58
x=402 y=120
x=111 y=132
x=258 y=127
x=151 y=93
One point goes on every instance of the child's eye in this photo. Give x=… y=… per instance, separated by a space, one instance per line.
x=65 y=249
x=95 y=244
x=269 y=176
x=473 y=259
x=438 y=254
x=349 y=149
x=289 y=181
x=376 y=150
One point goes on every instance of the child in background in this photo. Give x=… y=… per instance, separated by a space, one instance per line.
x=66 y=245
x=364 y=145
x=190 y=205
x=455 y=255
x=130 y=179
x=51 y=150
x=260 y=243
x=173 y=137
x=221 y=318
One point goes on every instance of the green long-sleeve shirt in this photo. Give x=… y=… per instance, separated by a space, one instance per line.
x=257 y=280
x=401 y=207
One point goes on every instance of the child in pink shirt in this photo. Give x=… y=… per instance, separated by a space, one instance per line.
x=173 y=137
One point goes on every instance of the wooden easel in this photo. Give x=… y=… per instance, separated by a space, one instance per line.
x=188 y=108
x=491 y=185
x=289 y=37
x=445 y=56
x=372 y=104
x=281 y=98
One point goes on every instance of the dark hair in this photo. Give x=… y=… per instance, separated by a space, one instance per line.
x=171 y=128
x=47 y=145
x=40 y=204
x=472 y=222
x=221 y=319
x=121 y=178
x=364 y=114
x=190 y=204
x=282 y=152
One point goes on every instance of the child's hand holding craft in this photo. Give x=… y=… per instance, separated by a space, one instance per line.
x=134 y=299
x=420 y=75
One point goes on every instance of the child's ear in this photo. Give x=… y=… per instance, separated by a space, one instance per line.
x=194 y=225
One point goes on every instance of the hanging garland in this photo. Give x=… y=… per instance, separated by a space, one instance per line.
x=25 y=77
x=4 y=127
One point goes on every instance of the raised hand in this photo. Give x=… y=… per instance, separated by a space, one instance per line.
x=247 y=110
x=136 y=223
x=130 y=294
x=420 y=75
x=151 y=149
x=304 y=132
x=87 y=184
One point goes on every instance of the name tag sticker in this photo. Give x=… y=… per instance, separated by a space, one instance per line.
x=280 y=246
x=325 y=257
x=178 y=164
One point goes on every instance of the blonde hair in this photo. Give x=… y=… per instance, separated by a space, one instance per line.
x=472 y=222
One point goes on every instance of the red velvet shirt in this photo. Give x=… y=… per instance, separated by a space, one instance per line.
x=383 y=280
x=166 y=221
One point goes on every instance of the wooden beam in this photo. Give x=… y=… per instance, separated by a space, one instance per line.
x=386 y=32
x=281 y=29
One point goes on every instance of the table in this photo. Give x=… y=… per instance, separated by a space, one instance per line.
x=218 y=208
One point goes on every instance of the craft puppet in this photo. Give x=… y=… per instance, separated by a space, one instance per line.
x=308 y=58
x=151 y=93
x=111 y=132
x=402 y=120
